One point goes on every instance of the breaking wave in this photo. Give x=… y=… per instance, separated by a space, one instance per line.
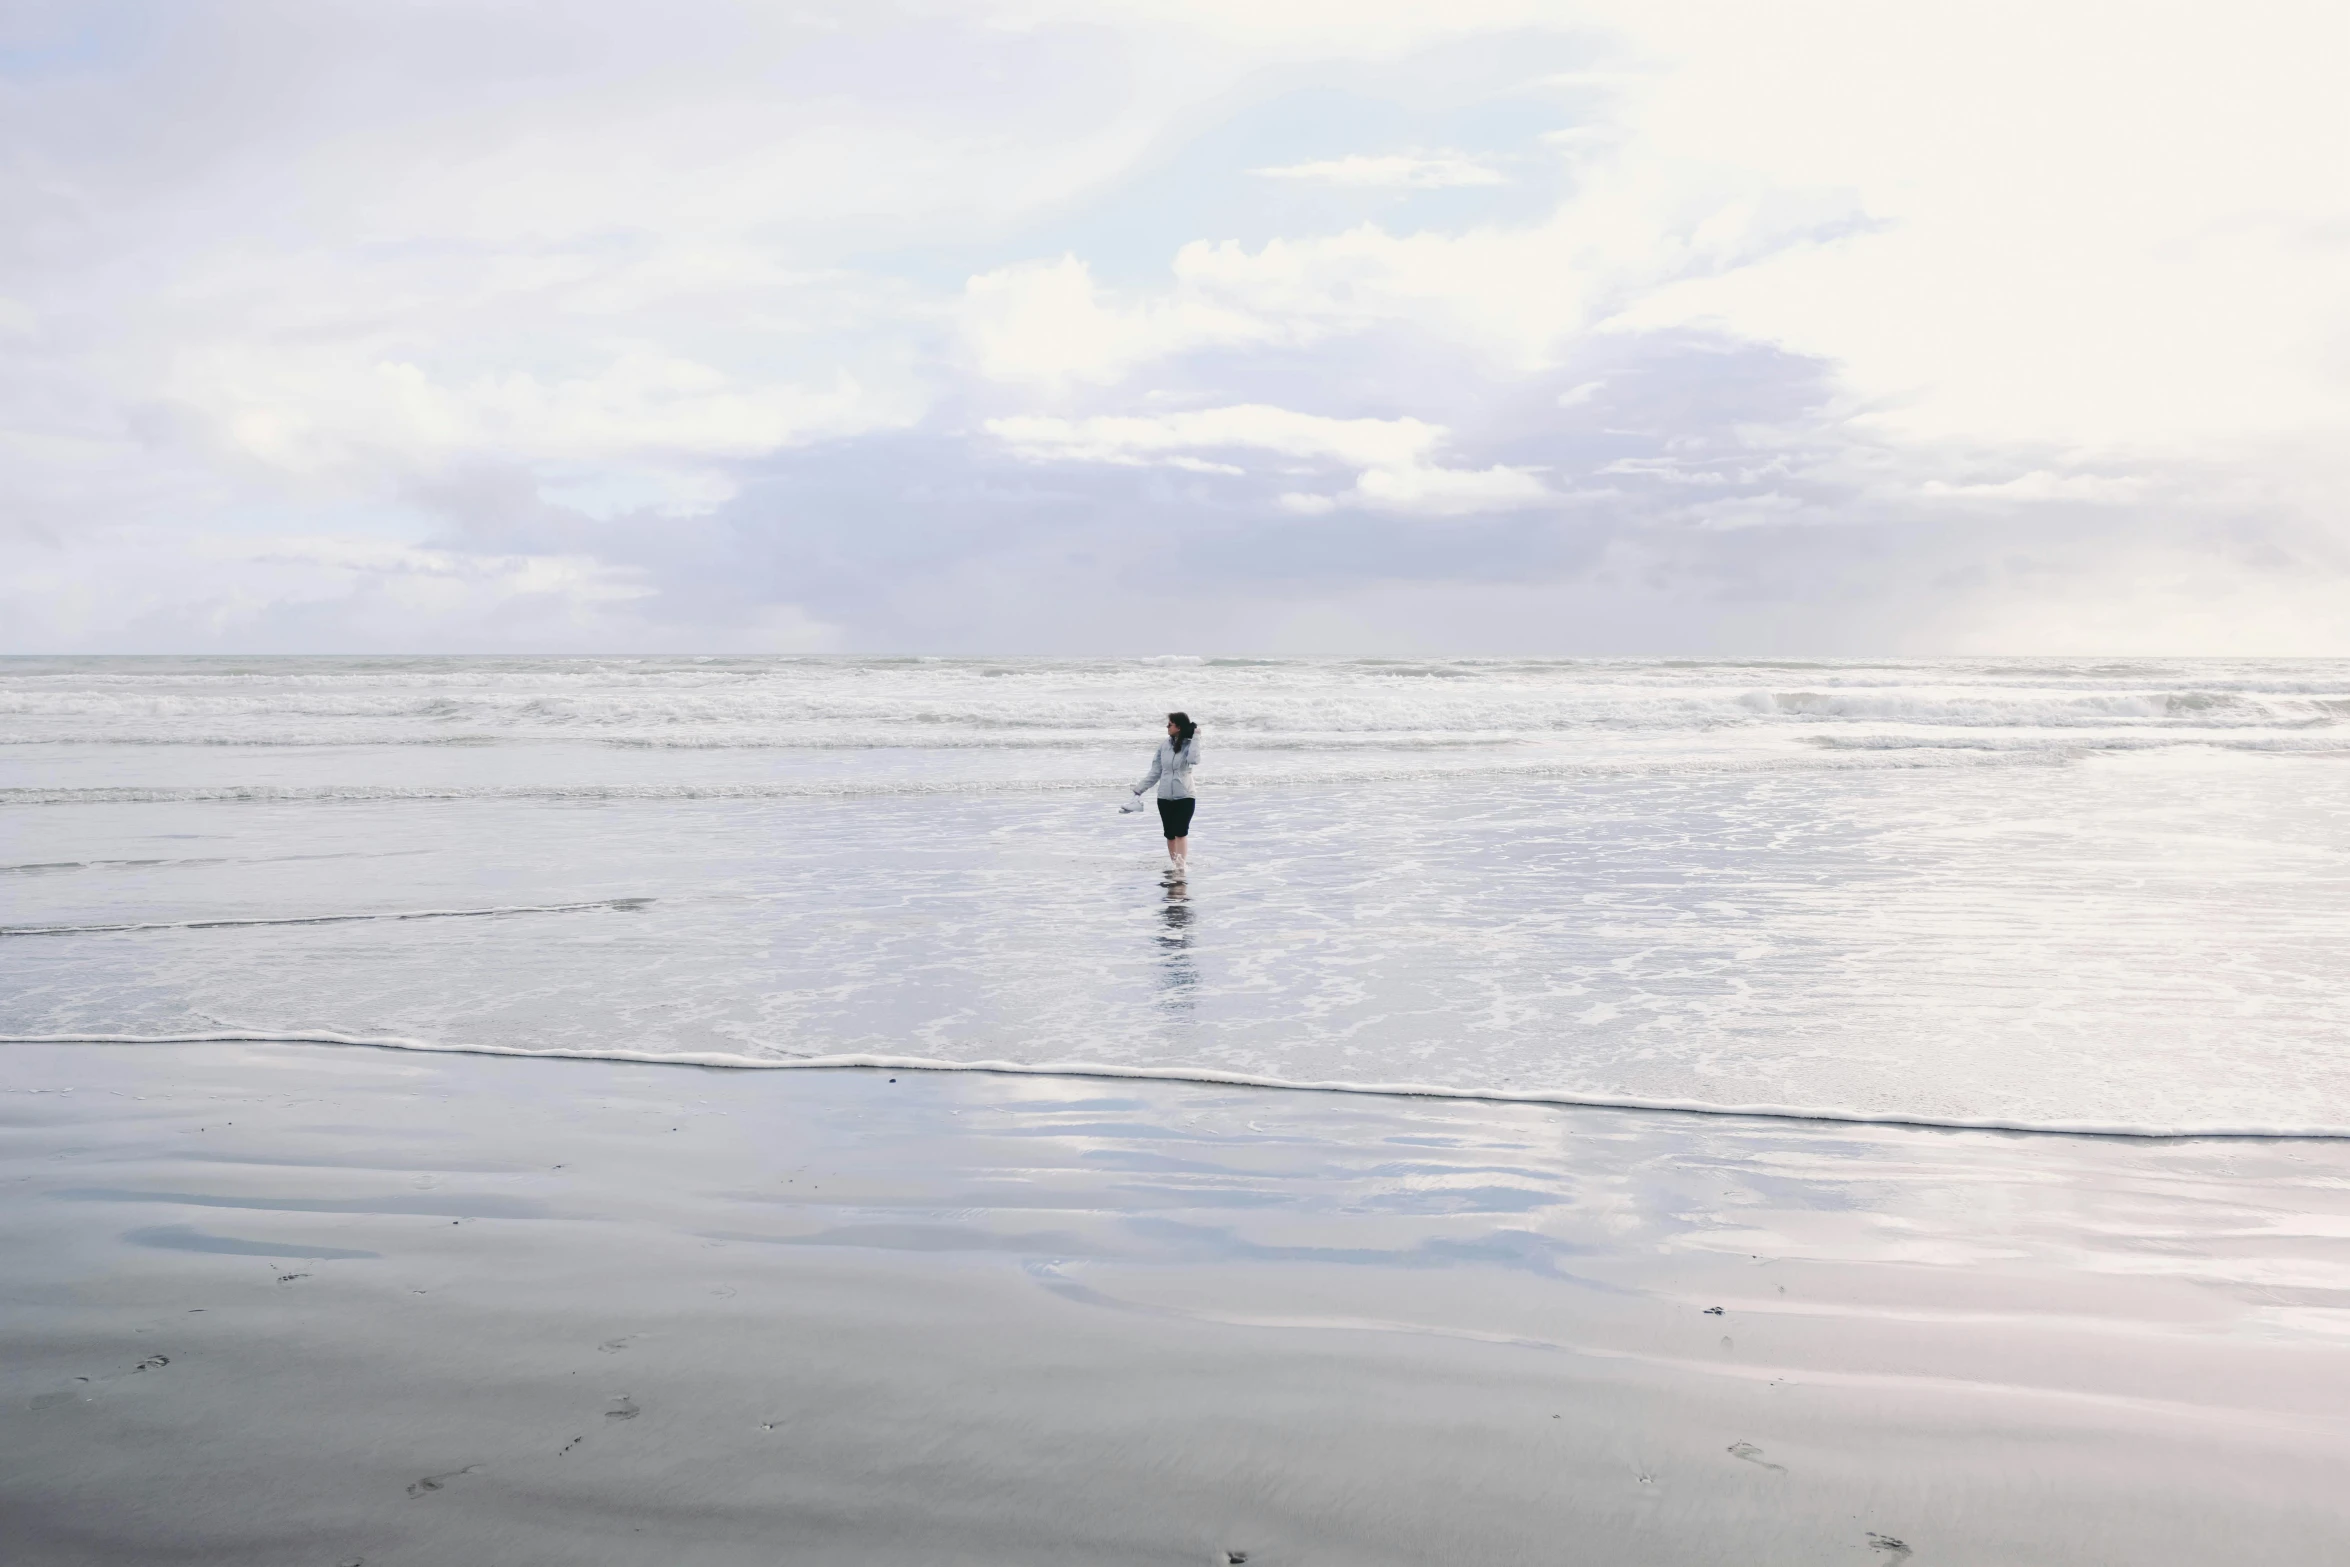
x=952 y=704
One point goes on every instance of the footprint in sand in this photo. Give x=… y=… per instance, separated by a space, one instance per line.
x=1895 y=1550
x=431 y=1483
x=151 y=1363
x=1753 y=1455
x=625 y=1408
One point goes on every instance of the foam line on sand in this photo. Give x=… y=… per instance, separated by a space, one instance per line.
x=1209 y=1075
x=328 y=919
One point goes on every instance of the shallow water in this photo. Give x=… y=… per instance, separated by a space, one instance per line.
x=2040 y=892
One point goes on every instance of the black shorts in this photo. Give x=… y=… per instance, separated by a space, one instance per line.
x=1175 y=816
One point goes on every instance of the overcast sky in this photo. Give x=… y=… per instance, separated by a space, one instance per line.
x=1271 y=326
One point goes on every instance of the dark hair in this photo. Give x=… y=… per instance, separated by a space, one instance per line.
x=1183 y=727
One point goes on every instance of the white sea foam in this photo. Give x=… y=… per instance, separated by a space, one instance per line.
x=720 y=1061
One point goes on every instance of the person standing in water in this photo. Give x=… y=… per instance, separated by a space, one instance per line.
x=1171 y=771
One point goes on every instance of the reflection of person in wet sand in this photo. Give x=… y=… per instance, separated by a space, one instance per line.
x=1171 y=772
x=1175 y=942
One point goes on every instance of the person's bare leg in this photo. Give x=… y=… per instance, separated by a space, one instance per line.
x=1177 y=848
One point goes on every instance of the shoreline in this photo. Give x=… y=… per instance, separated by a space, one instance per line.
x=1213 y=1077
x=281 y=1304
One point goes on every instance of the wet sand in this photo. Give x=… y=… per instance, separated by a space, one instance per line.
x=284 y=1304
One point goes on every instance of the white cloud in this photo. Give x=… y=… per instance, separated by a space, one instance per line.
x=1520 y=296
x=581 y=579
x=2095 y=223
x=150 y=590
x=1395 y=171
x=308 y=412
x=2168 y=597
x=1362 y=443
x=1433 y=492
x=1048 y=322
x=2042 y=485
x=1290 y=29
x=2127 y=232
x=1392 y=457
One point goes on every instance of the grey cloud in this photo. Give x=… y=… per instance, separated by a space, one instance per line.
x=938 y=539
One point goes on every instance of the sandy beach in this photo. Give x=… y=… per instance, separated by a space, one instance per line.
x=304 y=1305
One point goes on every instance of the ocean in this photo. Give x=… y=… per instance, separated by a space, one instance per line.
x=2072 y=895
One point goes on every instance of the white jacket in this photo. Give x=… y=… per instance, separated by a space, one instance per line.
x=1171 y=770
